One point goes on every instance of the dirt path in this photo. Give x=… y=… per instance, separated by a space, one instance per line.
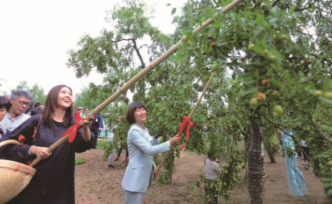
x=97 y=184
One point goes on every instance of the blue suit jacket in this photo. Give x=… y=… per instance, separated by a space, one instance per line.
x=138 y=172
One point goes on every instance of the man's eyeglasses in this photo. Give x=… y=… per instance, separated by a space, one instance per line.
x=22 y=103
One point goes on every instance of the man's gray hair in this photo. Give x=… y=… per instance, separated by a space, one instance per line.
x=20 y=92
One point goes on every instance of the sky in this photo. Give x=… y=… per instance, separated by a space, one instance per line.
x=36 y=35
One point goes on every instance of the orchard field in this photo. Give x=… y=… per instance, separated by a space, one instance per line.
x=97 y=184
x=270 y=66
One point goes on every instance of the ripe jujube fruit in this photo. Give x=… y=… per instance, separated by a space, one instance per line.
x=261 y=96
x=265 y=82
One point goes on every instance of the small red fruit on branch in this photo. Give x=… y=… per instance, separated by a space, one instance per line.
x=261 y=96
x=213 y=44
x=265 y=82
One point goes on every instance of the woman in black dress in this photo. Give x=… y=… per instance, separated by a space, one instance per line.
x=53 y=182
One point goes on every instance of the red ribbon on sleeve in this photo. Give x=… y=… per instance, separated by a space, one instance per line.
x=21 y=139
x=74 y=128
x=185 y=124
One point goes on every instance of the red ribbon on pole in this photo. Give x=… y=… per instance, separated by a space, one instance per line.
x=74 y=128
x=185 y=124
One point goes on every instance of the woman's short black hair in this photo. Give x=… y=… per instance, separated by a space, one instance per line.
x=37 y=104
x=4 y=103
x=36 y=111
x=212 y=155
x=131 y=110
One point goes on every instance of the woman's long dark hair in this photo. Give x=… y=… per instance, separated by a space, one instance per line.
x=52 y=102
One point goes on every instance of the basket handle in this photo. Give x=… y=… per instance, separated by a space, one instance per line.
x=6 y=142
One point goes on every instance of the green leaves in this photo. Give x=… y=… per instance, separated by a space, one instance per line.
x=173 y=11
x=291 y=50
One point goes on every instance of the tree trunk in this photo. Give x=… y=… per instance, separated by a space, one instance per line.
x=273 y=160
x=255 y=164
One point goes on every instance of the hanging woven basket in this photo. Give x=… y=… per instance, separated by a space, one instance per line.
x=14 y=176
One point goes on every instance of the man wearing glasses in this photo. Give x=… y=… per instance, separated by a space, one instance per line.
x=20 y=100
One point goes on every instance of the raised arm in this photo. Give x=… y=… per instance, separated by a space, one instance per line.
x=135 y=137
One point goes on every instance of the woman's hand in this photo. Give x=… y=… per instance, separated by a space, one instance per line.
x=85 y=123
x=155 y=173
x=40 y=152
x=174 y=140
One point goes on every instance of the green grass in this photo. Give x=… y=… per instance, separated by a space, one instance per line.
x=100 y=143
x=79 y=161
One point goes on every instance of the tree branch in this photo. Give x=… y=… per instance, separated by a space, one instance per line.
x=301 y=9
x=277 y=126
x=139 y=54
x=142 y=46
x=275 y=3
x=322 y=135
x=123 y=40
x=230 y=146
x=135 y=48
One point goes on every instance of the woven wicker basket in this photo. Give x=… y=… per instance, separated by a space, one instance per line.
x=14 y=176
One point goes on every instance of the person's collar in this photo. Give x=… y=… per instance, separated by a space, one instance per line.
x=8 y=115
x=136 y=125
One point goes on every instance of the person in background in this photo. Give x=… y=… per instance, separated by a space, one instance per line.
x=38 y=105
x=204 y=129
x=212 y=171
x=4 y=108
x=31 y=105
x=110 y=158
x=141 y=168
x=96 y=126
x=20 y=100
x=36 y=111
x=305 y=154
x=80 y=110
x=120 y=150
x=86 y=112
x=156 y=139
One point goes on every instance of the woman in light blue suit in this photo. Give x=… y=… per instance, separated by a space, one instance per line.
x=141 y=168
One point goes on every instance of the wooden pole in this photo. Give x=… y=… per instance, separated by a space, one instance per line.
x=140 y=75
x=191 y=114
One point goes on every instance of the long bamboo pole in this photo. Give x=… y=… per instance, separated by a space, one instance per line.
x=191 y=114
x=140 y=75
